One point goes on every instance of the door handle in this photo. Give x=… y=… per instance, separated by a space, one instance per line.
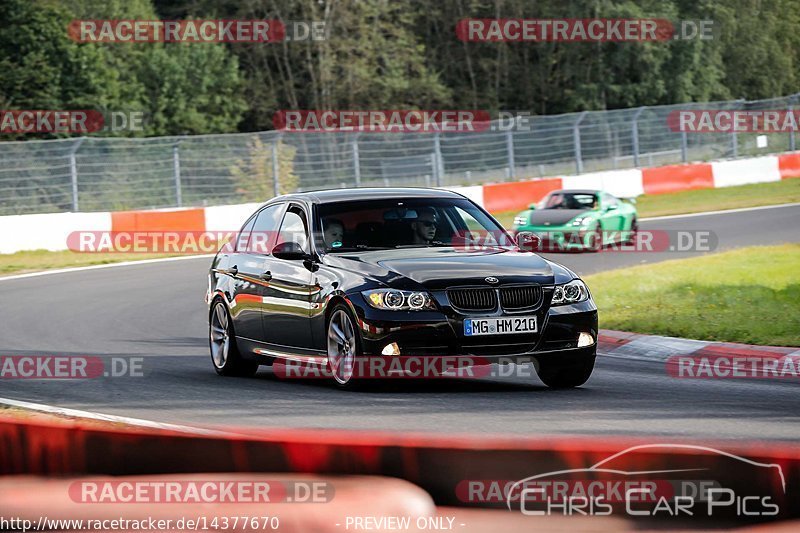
x=266 y=276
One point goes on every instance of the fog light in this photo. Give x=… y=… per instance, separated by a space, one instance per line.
x=585 y=339
x=391 y=349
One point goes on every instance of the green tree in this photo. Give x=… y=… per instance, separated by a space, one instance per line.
x=253 y=177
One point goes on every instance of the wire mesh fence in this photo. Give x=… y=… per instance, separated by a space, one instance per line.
x=98 y=174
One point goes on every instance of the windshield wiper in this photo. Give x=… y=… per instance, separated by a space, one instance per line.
x=357 y=248
x=431 y=244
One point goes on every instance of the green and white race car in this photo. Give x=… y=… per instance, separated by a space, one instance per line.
x=579 y=220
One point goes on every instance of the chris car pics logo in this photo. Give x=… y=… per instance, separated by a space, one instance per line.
x=657 y=480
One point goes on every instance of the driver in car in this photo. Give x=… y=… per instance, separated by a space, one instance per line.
x=332 y=232
x=424 y=227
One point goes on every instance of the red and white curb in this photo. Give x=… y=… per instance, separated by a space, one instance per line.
x=688 y=358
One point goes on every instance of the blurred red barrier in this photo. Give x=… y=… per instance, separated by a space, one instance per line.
x=436 y=463
x=517 y=194
x=789 y=165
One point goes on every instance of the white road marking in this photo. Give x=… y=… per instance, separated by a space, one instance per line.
x=138 y=422
x=97 y=267
x=721 y=212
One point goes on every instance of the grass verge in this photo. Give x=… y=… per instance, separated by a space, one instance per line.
x=35 y=260
x=685 y=202
x=750 y=295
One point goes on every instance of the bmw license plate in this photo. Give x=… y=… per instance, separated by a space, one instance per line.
x=505 y=325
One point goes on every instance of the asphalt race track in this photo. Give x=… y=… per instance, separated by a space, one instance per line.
x=156 y=311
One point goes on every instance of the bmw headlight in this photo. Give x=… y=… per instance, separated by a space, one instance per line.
x=570 y=293
x=521 y=220
x=396 y=300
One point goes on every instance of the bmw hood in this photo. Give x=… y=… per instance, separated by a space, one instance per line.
x=438 y=268
x=554 y=217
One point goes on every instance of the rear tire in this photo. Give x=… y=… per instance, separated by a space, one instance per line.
x=225 y=355
x=565 y=376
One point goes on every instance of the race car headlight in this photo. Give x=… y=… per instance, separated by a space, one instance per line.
x=396 y=300
x=580 y=221
x=570 y=293
x=521 y=220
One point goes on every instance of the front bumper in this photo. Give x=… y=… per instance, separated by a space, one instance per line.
x=555 y=239
x=440 y=333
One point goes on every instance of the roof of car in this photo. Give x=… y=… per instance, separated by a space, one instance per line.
x=577 y=191
x=366 y=193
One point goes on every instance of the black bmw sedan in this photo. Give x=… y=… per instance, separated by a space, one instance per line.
x=333 y=278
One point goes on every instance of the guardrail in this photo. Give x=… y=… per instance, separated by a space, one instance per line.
x=109 y=174
x=50 y=231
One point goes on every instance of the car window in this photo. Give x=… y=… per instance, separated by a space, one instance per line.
x=262 y=236
x=568 y=200
x=469 y=220
x=240 y=244
x=294 y=228
x=609 y=200
x=400 y=223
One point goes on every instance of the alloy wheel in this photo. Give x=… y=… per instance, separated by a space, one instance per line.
x=220 y=336
x=341 y=346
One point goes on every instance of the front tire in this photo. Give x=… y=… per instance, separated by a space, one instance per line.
x=595 y=243
x=632 y=233
x=565 y=376
x=344 y=346
x=225 y=355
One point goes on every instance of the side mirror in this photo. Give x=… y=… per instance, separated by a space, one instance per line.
x=612 y=207
x=290 y=251
x=532 y=206
x=527 y=241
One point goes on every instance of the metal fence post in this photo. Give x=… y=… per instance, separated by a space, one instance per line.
x=684 y=147
x=73 y=172
x=176 y=173
x=635 y=136
x=275 y=166
x=510 y=147
x=734 y=135
x=792 y=143
x=576 y=139
x=356 y=161
x=437 y=157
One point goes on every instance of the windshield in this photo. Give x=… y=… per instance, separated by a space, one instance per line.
x=403 y=223
x=569 y=200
